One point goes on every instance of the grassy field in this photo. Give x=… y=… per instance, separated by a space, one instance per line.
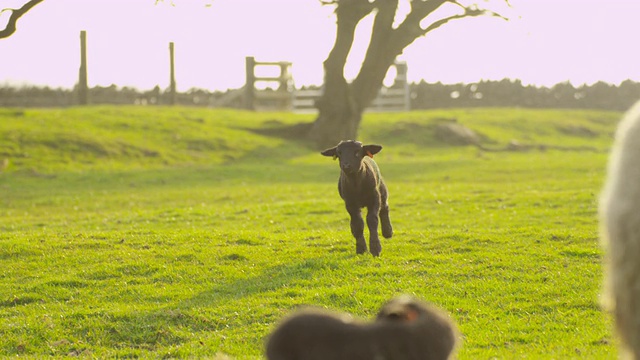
x=179 y=232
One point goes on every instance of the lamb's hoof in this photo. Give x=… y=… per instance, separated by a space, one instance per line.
x=361 y=250
x=376 y=250
x=387 y=232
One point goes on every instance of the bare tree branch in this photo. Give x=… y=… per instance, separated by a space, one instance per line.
x=354 y=10
x=457 y=3
x=348 y=14
x=387 y=43
x=410 y=29
x=421 y=8
x=469 y=12
x=381 y=35
x=341 y=105
x=15 y=15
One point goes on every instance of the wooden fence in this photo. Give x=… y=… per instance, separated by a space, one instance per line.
x=393 y=98
x=84 y=97
x=254 y=95
x=287 y=98
x=268 y=99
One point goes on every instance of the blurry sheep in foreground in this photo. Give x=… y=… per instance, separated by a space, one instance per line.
x=361 y=185
x=619 y=211
x=404 y=329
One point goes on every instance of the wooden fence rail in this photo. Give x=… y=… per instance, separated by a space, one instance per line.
x=280 y=98
x=287 y=98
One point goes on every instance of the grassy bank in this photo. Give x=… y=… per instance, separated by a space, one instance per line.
x=151 y=232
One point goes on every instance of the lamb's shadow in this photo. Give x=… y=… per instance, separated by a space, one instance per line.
x=294 y=141
x=269 y=280
x=275 y=128
x=210 y=310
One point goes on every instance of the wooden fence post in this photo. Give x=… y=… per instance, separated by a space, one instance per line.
x=249 y=85
x=83 y=86
x=172 y=80
x=401 y=77
x=284 y=76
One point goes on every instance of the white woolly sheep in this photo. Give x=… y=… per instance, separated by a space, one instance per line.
x=619 y=211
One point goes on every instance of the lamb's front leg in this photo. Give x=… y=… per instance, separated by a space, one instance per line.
x=357 y=228
x=372 y=223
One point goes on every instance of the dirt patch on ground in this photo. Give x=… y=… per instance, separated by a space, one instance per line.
x=516 y=146
x=454 y=133
x=275 y=128
x=579 y=131
x=431 y=132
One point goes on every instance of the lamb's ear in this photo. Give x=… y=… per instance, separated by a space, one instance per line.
x=371 y=150
x=403 y=313
x=411 y=315
x=408 y=314
x=330 y=152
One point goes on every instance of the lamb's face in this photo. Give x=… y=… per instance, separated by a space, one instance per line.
x=350 y=154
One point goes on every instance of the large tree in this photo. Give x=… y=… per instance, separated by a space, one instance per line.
x=342 y=103
x=11 y=25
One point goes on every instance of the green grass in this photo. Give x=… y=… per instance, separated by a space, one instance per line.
x=179 y=232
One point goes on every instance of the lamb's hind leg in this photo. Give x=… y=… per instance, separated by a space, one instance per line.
x=385 y=222
x=357 y=229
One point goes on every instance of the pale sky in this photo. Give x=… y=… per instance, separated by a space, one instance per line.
x=544 y=43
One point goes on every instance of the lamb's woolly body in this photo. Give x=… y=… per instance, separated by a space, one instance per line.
x=404 y=329
x=620 y=231
x=361 y=185
x=363 y=189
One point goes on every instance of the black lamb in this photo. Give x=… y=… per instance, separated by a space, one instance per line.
x=405 y=329
x=361 y=185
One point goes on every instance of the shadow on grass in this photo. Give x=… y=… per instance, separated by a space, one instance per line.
x=134 y=333
x=271 y=279
x=276 y=129
x=293 y=142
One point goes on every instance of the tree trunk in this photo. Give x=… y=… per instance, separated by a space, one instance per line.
x=339 y=114
x=342 y=104
x=338 y=117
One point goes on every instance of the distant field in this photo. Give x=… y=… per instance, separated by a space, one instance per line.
x=180 y=232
